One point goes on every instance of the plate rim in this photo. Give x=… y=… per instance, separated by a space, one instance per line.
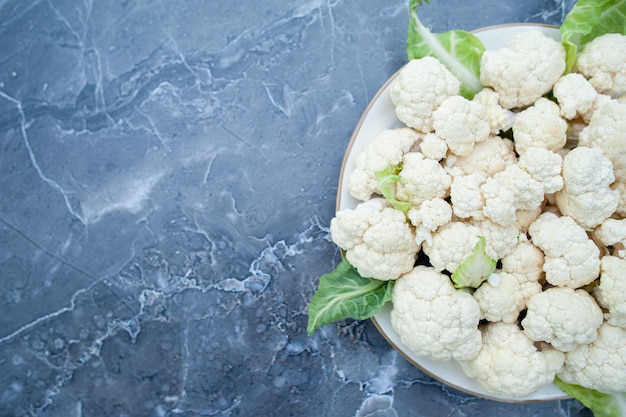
x=347 y=153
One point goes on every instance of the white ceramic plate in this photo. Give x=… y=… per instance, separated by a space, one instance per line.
x=379 y=116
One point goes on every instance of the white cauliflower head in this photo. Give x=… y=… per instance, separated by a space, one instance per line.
x=419 y=88
x=433 y=147
x=525 y=70
x=384 y=151
x=586 y=195
x=500 y=119
x=461 y=124
x=421 y=179
x=466 y=196
x=576 y=95
x=433 y=318
x=451 y=245
x=571 y=259
x=612 y=233
x=510 y=364
x=428 y=217
x=544 y=166
x=607 y=131
x=500 y=298
x=488 y=157
x=611 y=293
x=377 y=239
x=603 y=62
x=600 y=365
x=563 y=317
x=540 y=126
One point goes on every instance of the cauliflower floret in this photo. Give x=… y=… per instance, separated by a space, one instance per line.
x=620 y=187
x=421 y=179
x=600 y=365
x=510 y=364
x=524 y=71
x=603 y=62
x=499 y=198
x=489 y=157
x=607 y=131
x=428 y=217
x=385 y=150
x=500 y=298
x=544 y=166
x=378 y=241
x=524 y=218
x=466 y=196
x=576 y=95
x=525 y=263
x=500 y=119
x=451 y=245
x=571 y=259
x=563 y=317
x=420 y=87
x=541 y=126
x=612 y=232
x=461 y=123
x=433 y=147
x=611 y=293
x=509 y=191
x=586 y=195
x=500 y=240
x=434 y=319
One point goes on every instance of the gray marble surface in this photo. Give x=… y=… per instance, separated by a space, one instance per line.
x=168 y=172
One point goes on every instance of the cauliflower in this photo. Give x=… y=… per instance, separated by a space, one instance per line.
x=586 y=195
x=524 y=71
x=576 y=95
x=433 y=318
x=466 y=196
x=571 y=259
x=603 y=62
x=540 y=126
x=500 y=119
x=607 y=131
x=611 y=293
x=499 y=195
x=420 y=87
x=543 y=166
x=385 y=150
x=489 y=157
x=600 y=365
x=510 y=364
x=500 y=298
x=421 y=179
x=563 y=317
x=378 y=241
x=612 y=233
x=501 y=240
x=433 y=147
x=525 y=263
x=428 y=217
x=451 y=245
x=461 y=123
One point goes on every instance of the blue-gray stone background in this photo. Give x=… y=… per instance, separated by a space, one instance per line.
x=168 y=172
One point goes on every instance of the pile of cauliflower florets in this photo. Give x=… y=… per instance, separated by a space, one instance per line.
x=550 y=203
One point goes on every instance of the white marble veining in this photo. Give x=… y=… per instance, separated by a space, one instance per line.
x=168 y=171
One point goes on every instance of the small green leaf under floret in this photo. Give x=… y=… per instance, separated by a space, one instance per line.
x=386 y=179
x=476 y=268
x=602 y=405
x=345 y=294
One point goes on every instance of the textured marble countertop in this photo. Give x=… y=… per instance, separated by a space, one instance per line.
x=168 y=172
